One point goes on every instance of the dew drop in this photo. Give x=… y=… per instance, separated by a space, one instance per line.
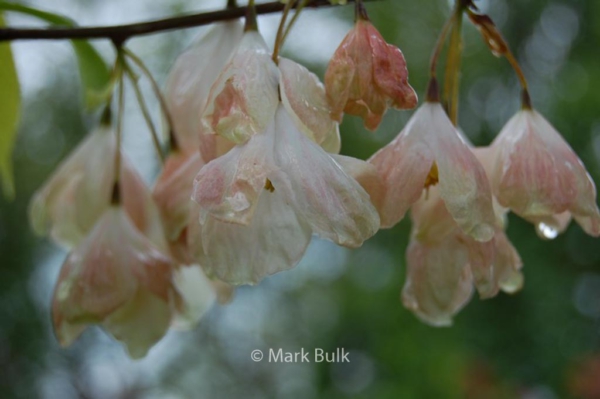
x=547 y=232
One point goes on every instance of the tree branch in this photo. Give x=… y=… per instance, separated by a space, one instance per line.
x=121 y=33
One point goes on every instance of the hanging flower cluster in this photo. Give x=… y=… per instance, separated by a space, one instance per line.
x=253 y=173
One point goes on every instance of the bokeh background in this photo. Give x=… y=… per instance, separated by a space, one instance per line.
x=542 y=343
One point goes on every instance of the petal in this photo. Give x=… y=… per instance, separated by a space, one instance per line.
x=529 y=177
x=365 y=174
x=482 y=258
x=438 y=282
x=140 y=323
x=431 y=221
x=173 y=189
x=333 y=203
x=197 y=293
x=228 y=187
x=76 y=194
x=507 y=265
x=192 y=76
x=274 y=241
x=366 y=75
x=244 y=97
x=304 y=97
x=389 y=71
x=464 y=186
x=105 y=271
x=339 y=77
x=140 y=206
x=403 y=166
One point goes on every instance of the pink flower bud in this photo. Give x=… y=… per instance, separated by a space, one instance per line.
x=366 y=75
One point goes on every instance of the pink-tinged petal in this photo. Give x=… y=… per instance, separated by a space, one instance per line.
x=173 y=189
x=528 y=177
x=482 y=258
x=389 y=71
x=333 y=203
x=403 y=165
x=225 y=292
x=107 y=269
x=463 y=184
x=366 y=75
x=66 y=332
x=365 y=174
x=228 y=187
x=431 y=222
x=538 y=176
x=213 y=146
x=140 y=206
x=192 y=76
x=507 y=265
x=140 y=323
x=438 y=282
x=244 y=97
x=304 y=97
x=83 y=179
x=275 y=240
x=197 y=293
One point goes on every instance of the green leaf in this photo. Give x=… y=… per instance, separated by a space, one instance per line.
x=54 y=19
x=95 y=75
x=10 y=105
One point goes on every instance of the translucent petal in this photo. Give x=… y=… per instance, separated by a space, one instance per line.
x=304 y=97
x=275 y=240
x=333 y=203
x=192 y=76
x=228 y=187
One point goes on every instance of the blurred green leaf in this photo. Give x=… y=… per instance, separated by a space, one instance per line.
x=9 y=114
x=95 y=75
x=54 y=19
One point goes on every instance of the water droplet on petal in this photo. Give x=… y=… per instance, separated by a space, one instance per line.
x=546 y=232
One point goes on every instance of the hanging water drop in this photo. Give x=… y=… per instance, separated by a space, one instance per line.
x=546 y=231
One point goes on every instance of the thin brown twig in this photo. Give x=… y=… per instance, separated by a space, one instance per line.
x=122 y=33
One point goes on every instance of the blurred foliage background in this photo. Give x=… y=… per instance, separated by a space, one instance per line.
x=542 y=343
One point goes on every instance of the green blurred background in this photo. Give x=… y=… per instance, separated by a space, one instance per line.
x=542 y=343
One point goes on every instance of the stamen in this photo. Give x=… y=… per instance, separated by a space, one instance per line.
x=432 y=177
x=269 y=186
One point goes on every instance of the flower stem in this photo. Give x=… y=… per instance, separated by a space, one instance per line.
x=299 y=9
x=173 y=144
x=279 y=36
x=452 y=73
x=360 y=12
x=251 y=24
x=144 y=108
x=116 y=192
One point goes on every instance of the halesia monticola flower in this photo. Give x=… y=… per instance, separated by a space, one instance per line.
x=190 y=80
x=366 y=75
x=443 y=263
x=117 y=278
x=539 y=177
x=430 y=151
x=80 y=190
x=260 y=203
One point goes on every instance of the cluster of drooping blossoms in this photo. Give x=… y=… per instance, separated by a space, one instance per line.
x=259 y=204
x=254 y=172
x=119 y=273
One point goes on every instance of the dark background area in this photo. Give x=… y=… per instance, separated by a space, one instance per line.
x=541 y=343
